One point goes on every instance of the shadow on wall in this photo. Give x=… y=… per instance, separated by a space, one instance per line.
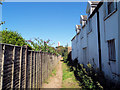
x=89 y=77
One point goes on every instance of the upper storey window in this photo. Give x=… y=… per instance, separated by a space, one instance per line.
x=111 y=6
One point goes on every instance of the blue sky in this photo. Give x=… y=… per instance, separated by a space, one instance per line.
x=47 y=20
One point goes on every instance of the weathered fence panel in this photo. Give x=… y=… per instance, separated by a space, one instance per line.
x=23 y=68
x=16 y=68
x=7 y=68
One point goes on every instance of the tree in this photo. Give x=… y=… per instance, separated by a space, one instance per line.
x=12 y=37
x=44 y=46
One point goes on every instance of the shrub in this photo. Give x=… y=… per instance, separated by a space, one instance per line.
x=12 y=37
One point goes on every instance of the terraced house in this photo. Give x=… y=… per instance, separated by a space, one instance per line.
x=97 y=39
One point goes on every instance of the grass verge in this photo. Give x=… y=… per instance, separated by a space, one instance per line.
x=51 y=75
x=68 y=79
x=53 y=72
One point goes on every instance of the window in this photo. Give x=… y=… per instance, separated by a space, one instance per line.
x=111 y=6
x=111 y=50
x=85 y=55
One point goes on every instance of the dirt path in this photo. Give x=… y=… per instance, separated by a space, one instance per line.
x=56 y=80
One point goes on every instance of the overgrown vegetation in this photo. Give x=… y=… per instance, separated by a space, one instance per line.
x=44 y=46
x=68 y=80
x=12 y=37
x=87 y=77
x=63 y=51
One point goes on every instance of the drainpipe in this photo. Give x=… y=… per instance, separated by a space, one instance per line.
x=119 y=39
x=99 y=42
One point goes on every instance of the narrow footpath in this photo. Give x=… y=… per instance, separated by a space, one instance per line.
x=56 y=80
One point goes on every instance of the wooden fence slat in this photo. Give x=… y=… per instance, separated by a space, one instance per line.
x=31 y=70
x=2 y=65
x=41 y=69
x=20 y=66
x=36 y=69
x=13 y=67
x=25 y=66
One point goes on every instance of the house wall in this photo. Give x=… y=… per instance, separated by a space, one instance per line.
x=119 y=39
x=92 y=38
x=79 y=47
x=108 y=31
x=0 y=16
x=83 y=44
x=74 y=50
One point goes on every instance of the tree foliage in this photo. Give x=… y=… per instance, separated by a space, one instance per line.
x=62 y=51
x=41 y=45
x=12 y=37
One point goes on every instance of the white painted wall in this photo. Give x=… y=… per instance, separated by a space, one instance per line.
x=92 y=39
x=74 y=49
x=109 y=29
x=0 y=16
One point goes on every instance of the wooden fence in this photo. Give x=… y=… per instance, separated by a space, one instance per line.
x=23 y=68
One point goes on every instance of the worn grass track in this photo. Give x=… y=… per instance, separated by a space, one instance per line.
x=68 y=80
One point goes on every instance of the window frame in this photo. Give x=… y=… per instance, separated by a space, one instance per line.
x=110 y=50
x=112 y=12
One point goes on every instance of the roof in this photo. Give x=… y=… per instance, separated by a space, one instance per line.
x=73 y=38
x=84 y=17
x=91 y=4
x=94 y=2
x=96 y=9
x=78 y=26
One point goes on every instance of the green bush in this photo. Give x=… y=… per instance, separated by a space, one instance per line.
x=12 y=37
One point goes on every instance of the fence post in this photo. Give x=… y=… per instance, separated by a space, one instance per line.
x=13 y=67
x=2 y=64
x=20 y=66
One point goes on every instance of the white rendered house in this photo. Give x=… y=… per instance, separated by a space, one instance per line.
x=99 y=38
